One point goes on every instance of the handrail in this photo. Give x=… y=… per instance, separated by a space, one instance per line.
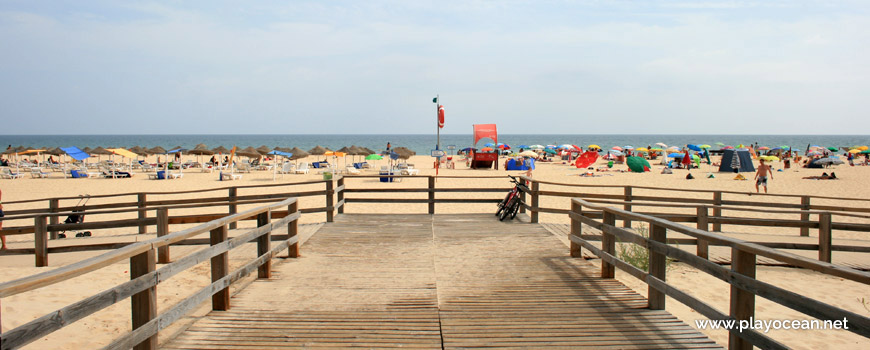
x=727 y=207
x=168 y=192
x=63 y=273
x=742 y=274
x=696 y=190
x=145 y=277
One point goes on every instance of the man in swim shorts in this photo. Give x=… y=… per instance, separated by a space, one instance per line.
x=761 y=175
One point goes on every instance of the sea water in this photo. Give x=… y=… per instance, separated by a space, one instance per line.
x=423 y=143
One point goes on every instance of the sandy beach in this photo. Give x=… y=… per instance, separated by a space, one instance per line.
x=101 y=328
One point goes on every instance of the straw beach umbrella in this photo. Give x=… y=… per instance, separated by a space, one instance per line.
x=263 y=149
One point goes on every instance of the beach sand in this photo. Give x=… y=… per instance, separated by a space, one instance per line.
x=99 y=329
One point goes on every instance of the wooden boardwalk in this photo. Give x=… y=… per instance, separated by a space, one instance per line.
x=442 y=281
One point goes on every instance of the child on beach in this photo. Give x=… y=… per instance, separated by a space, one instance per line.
x=761 y=175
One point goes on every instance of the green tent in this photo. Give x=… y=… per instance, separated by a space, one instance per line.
x=637 y=164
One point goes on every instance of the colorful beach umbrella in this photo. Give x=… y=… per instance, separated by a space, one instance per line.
x=637 y=164
x=593 y=146
x=616 y=148
x=550 y=150
x=374 y=157
x=694 y=147
x=536 y=147
x=586 y=159
x=530 y=154
x=523 y=146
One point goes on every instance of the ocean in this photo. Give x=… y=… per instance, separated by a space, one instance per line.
x=422 y=144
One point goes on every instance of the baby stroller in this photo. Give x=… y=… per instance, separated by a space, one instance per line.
x=77 y=218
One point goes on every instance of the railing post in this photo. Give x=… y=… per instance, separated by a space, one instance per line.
x=627 y=207
x=658 y=264
x=340 y=195
x=825 y=237
x=144 y=304
x=220 y=266
x=142 y=202
x=608 y=245
x=805 y=217
x=576 y=230
x=703 y=247
x=163 y=230
x=523 y=200
x=329 y=201
x=717 y=210
x=53 y=205
x=293 y=230
x=263 y=245
x=431 y=195
x=234 y=193
x=535 y=187
x=742 y=301
x=40 y=240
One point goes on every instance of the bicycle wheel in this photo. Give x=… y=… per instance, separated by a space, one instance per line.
x=501 y=205
x=515 y=209
x=504 y=214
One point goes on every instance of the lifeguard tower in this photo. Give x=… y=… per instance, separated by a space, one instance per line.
x=483 y=160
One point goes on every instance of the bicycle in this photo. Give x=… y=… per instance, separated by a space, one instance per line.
x=511 y=203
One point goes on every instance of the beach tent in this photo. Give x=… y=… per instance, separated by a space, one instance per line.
x=744 y=159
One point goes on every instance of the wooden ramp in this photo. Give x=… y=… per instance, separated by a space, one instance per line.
x=442 y=281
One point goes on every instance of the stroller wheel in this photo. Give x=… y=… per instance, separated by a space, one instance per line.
x=61 y=235
x=86 y=234
x=80 y=234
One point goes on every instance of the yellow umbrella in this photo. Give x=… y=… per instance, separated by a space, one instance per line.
x=641 y=149
x=863 y=148
x=769 y=158
x=594 y=146
x=705 y=146
x=329 y=153
x=855 y=150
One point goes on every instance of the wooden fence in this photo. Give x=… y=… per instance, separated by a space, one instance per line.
x=741 y=276
x=149 y=213
x=144 y=277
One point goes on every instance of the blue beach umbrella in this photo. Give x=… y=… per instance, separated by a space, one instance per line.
x=490 y=144
x=676 y=155
x=694 y=148
x=523 y=146
x=627 y=147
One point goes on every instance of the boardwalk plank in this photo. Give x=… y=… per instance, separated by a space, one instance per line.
x=417 y=281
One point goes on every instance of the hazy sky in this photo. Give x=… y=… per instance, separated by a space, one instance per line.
x=671 y=67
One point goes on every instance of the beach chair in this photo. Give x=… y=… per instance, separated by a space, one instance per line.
x=7 y=173
x=302 y=169
x=85 y=172
x=353 y=170
x=38 y=173
x=288 y=168
x=230 y=176
x=243 y=168
x=174 y=175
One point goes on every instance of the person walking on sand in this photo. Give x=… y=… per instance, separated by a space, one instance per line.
x=761 y=175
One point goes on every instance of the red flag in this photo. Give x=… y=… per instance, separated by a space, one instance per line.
x=441 y=116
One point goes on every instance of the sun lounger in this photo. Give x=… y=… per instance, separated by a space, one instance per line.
x=37 y=173
x=243 y=168
x=174 y=175
x=8 y=174
x=353 y=170
x=230 y=176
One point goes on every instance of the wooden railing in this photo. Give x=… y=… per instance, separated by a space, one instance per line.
x=140 y=201
x=741 y=276
x=717 y=200
x=149 y=213
x=431 y=189
x=144 y=277
x=704 y=214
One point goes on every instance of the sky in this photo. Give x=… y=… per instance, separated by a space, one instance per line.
x=373 y=67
